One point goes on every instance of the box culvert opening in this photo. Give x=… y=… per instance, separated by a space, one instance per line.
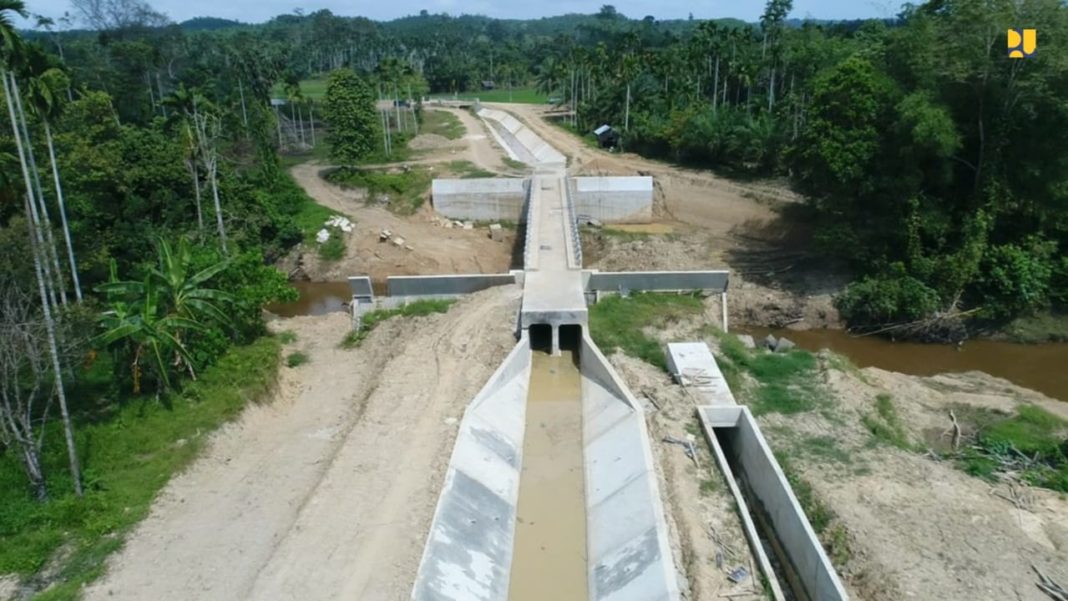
x=541 y=337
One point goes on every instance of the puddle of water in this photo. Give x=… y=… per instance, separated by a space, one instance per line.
x=549 y=561
x=643 y=228
x=1039 y=367
x=316 y=298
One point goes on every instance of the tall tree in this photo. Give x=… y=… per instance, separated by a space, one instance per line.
x=349 y=110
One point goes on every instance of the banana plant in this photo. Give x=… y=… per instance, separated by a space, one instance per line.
x=152 y=318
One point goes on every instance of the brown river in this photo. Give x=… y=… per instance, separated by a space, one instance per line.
x=1041 y=367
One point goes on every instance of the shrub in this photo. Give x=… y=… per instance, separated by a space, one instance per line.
x=883 y=300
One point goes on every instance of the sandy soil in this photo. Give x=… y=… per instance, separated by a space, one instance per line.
x=435 y=249
x=327 y=491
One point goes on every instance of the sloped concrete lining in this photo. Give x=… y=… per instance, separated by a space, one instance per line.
x=489 y=199
x=613 y=199
x=468 y=554
x=444 y=286
x=521 y=143
x=627 y=537
x=746 y=446
x=658 y=281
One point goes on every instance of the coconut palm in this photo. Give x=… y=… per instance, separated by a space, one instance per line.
x=10 y=55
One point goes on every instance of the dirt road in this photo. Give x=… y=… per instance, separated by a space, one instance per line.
x=326 y=492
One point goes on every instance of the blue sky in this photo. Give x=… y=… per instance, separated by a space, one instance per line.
x=260 y=10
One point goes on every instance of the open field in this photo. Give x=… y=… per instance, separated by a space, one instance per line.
x=517 y=96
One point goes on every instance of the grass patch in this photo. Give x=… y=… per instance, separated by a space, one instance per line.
x=334 y=247
x=468 y=170
x=287 y=337
x=514 y=164
x=442 y=123
x=517 y=95
x=406 y=189
x=296 y=359
x=129 y=448
x=1032 y=443
x=313 y=88
x=1036 y=329
x=321 y=153
x=824 y=449
x=370 y=320
x=708 y=486
x=619 y=323
x=788 y=381
x=885 y=424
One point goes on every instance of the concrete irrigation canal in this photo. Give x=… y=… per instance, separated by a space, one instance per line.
x=551 y=490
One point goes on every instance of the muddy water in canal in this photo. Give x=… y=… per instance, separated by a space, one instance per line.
x=1041 y=367
x=549 y=561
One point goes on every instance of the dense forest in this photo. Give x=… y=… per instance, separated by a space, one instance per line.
x=143 y=199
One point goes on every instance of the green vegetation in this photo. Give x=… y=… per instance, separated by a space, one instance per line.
x=442 y=123
x=287 y=337
x=825 y=449
x=618 y=322
x=787 y=382
x=137 y=445
x=885 y=424
x=349 y=109
x=1042 y=327
x=514 y=164
x=1032 y=443
x=369 y=321
x=468 y=170
x=406 y=189
x=518 y=95
x=708 y=486
x=296 y=359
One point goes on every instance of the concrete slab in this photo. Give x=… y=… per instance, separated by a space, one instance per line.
x=692 y=366
x=361 y=288
x=553 y=297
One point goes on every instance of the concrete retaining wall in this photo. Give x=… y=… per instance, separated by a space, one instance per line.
x=768 y=484
x=613 y=199
x=491 y=199
x=627 y=538
x=468 y=554
x=361 y=287
x=444 y=286
x=665 y=281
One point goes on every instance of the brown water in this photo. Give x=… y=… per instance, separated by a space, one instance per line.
x=549 y=562
x=1041 y=367
x=316 y=298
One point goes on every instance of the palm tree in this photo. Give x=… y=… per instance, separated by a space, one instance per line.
x=10 y=54
x=44 y=82
x=184 y=102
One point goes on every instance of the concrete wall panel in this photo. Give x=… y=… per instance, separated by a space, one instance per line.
x=770 y=487
x=361 y=286
x=444 y=285
x=491 y=199
x=613 y=199
x=665 y=281
x=468 y=554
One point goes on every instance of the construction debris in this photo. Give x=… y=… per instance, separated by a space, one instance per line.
x=496 y=232
x=739 y=574
x=468 y=225
x=687 y=445
x=398 y=241
x=322 y=236
x=1047 y=585
x=384 y=235
x=340 y=222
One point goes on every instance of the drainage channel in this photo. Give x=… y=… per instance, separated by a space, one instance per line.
x=549 y=560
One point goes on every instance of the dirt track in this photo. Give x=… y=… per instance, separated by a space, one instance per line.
x=327 y=491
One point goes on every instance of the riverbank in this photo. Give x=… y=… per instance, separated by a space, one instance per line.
x=902 y=505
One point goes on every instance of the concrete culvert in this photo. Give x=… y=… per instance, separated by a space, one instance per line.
x=541 y=337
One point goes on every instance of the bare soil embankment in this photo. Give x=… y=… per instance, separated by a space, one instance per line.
x=327 y=491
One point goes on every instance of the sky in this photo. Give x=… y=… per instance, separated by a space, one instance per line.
x=255 y=11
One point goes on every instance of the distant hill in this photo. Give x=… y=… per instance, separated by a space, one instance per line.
x=209 y=24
